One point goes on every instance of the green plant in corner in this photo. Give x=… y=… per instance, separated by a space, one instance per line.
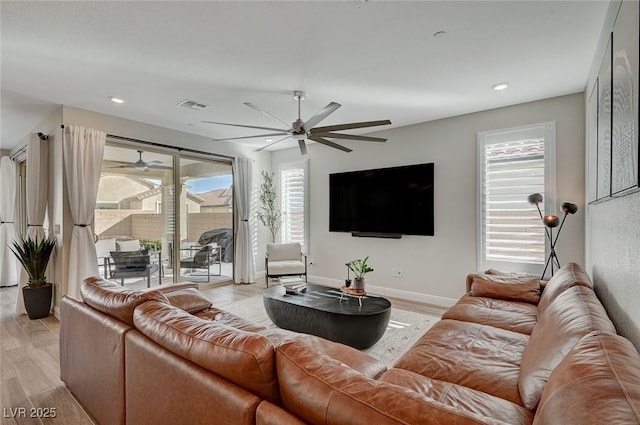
x=34 y=256
x=270 y=216
x=359 y=267
x=151 y=245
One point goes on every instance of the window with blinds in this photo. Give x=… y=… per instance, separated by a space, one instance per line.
x=513 y=165
x=292 y=190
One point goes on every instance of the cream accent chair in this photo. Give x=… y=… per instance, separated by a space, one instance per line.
x=285 y=259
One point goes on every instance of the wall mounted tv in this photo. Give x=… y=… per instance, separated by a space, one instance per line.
x=385 y=202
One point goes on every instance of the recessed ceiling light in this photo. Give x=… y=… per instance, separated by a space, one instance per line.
x=500 y=86
x=117 y=99
x=268 y=140
x=439 y=35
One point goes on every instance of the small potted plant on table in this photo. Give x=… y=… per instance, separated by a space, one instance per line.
x=34 y=256
x=359 y=268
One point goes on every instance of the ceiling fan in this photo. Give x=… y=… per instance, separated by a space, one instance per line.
x=142 y=165
x=303 y=130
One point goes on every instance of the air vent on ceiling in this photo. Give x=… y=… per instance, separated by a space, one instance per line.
x=193 y=105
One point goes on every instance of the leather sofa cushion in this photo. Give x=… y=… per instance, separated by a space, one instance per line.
x=189 y=300
x=323 y=391
x=509 y=315
x=569 y=275
x=573 y=314
x=114 y=300
x=597 y=383
x=242 y=357
x=525 y=290
x=355 y=359
x=469 y=354
x=459 y=397
x=229 y=319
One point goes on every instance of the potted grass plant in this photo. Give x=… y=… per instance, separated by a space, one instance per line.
x=359 y=268
x=34 y=255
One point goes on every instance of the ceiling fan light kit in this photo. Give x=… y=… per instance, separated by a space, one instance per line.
x=307 y=130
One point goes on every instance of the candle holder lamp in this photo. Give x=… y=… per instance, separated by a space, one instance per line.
x=550 y=223
x=347 y=281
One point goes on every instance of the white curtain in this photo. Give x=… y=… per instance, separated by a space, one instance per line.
x=243 y=261
x=37 y=194
x=82 y=150
x=8 y=261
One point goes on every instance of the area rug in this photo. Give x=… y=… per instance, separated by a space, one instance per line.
x=404 y=329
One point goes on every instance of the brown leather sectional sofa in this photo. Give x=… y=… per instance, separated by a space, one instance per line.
x=504 y=354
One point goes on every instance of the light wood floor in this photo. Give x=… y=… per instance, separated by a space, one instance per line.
x=30 y=365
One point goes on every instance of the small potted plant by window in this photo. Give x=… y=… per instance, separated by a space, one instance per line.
x=359 y=268
x=34 y=256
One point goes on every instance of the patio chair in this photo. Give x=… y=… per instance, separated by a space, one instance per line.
x=204 y=257
x=127 y=264
x=103 y=253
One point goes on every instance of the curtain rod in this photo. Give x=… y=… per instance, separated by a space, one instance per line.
x=18 y=153
x=161 y=145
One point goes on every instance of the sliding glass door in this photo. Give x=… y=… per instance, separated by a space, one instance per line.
x=206 y=220
x=158 y=212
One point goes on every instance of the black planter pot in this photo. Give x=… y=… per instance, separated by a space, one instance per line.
x=37 y=300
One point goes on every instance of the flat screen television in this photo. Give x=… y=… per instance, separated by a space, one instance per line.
x=384 y=202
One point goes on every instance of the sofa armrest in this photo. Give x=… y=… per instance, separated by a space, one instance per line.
x=270 y=414
x=92 y=363
x=164 y=388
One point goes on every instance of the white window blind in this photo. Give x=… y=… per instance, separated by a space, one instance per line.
x=292 y=188
x=513 y=165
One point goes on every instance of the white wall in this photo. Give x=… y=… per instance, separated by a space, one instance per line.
x=434 y=268
x=613 y=239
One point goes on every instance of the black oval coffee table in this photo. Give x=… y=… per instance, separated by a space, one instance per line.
x=321 y=311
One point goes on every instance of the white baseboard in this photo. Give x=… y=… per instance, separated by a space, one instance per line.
x=56 y=312
x=393 y=293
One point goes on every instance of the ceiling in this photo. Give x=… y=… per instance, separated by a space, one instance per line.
x=379 y=59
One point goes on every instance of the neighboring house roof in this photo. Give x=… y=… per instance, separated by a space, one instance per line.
x=146 y=194
x=217 y=198
x=157 y=191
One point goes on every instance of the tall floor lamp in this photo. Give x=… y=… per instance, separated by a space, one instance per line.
x=551 y=222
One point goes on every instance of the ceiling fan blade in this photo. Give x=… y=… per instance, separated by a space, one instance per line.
x=247 y=126
x=303 y=147
x=329 y=143
x=349 y=137
x=123 y=166
x=154 y=162
x=349 y=126
x=252 y=137
x=322 y=114
x=113 y=162
x=160 y=167
x=271 y=144
x=259 y=109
